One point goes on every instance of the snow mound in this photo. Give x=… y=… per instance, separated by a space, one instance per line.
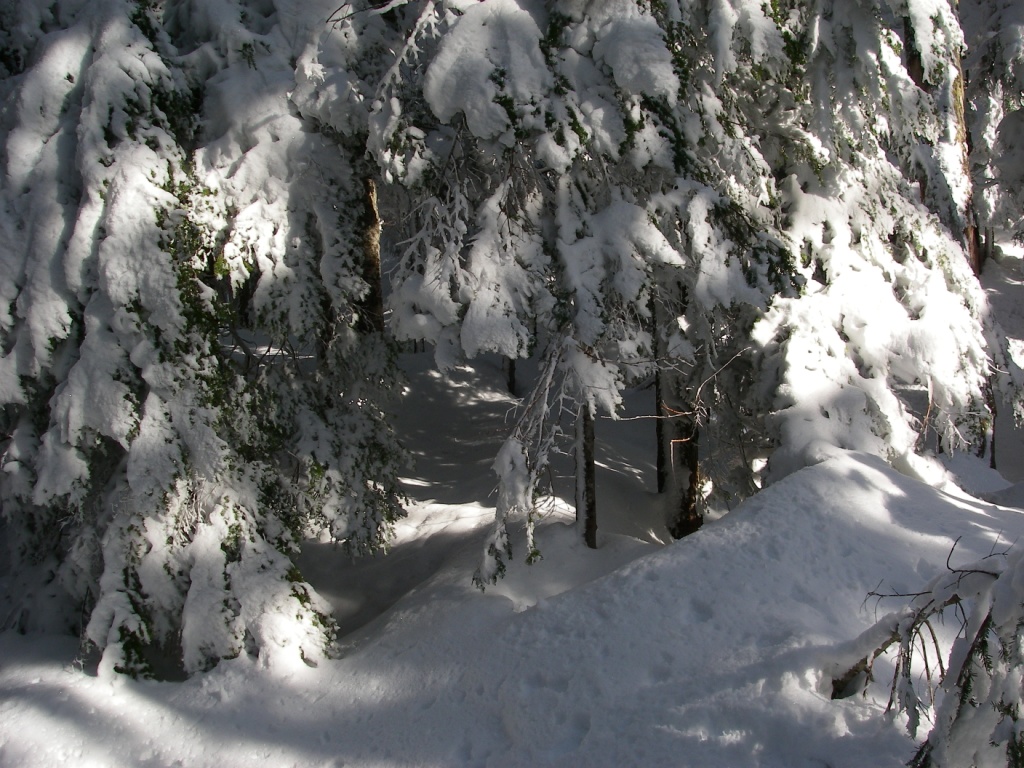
x=709 y=652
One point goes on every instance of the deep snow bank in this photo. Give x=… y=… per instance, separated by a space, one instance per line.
x=705 y=653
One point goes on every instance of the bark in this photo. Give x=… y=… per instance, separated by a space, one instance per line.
x=677 y=435
x=661 y=434
x=586 y=485
x=976 y=250
x=971 y=231
x=372 y=305
x=510 y=375
x=661 y=386
x=688 y=516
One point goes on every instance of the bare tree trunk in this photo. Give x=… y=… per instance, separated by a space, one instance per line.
x=661 y=388
x=661 y=433
x=971 y=233
x=372 y=305
x=976 y=249
x=586 y=485
x=678 y=435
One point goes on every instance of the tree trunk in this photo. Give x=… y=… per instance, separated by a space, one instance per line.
x=686 y=480
x=660 y=382
x=677 y=433
x=661 y=434
x=971 y=233
x=372 y=305
x=510 y=375
x=586 y=485
x=678 y=436
x=976 y=250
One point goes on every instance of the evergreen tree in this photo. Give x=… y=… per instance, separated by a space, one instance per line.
x=881 y=223
x=185 y=391
x=783 y=183
x=994 y=72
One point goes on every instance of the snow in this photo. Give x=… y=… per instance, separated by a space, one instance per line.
x=492 y=42
x=634 y=50
x=1003 y=280
x=714 y=651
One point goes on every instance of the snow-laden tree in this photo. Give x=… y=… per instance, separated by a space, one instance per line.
x=527 y=235
x=186 y=392
x=994 y=71
x=886 y=344
x=767 y=203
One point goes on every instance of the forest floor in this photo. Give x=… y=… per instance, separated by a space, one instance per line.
x=715 y=651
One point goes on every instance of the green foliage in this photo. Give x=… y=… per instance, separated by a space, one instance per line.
x=12 y=60
x=135 y=634
x=222 y=404
x=504 y=100
x=144 y=16
x=178 y=111
x=248 y=54
x=670 y=126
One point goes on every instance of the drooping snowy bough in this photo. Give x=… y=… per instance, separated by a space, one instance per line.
x=977 y=719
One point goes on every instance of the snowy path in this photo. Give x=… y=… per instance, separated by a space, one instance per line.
x=453 y=436
x=453 y=428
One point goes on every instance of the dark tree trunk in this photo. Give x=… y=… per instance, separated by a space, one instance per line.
x=688 y=516
x=661 y=433
x=586 y=485
x=677 y=435
x=510 y=375
x=660 y=382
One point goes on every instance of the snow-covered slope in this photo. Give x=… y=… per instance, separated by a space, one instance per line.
x=709 y=652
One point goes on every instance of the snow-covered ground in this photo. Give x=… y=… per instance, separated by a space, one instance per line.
x=714 y=651
x=1003 y=281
